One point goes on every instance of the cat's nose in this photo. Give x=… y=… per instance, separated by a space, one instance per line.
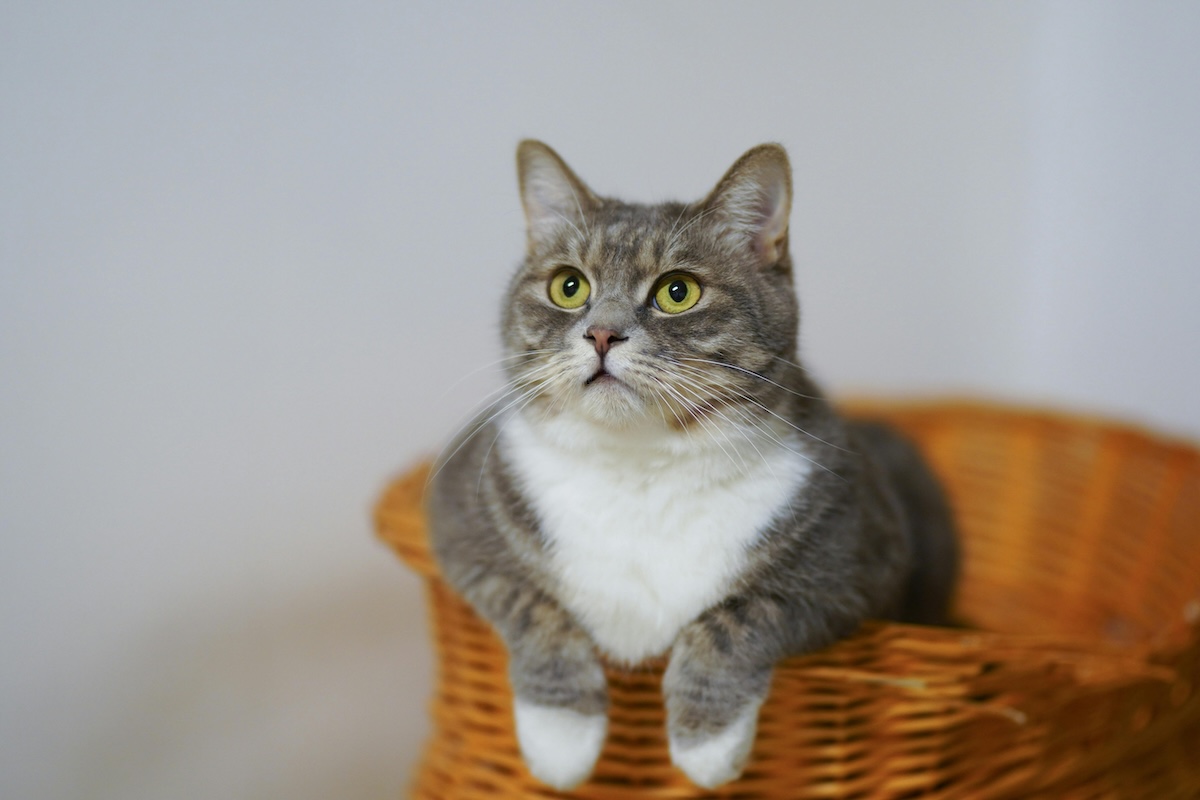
x=603 y=338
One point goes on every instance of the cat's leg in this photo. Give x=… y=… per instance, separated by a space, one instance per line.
x=712 y=717
x=559 y=686
x=720 y=672
x=560 y=709
x=716 y=680
x=560 y=690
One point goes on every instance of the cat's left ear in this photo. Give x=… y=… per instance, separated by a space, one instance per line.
x=751 y=204
x=553 y=196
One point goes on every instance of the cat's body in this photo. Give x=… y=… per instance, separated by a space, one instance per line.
x=664 y=477
x=672 y=530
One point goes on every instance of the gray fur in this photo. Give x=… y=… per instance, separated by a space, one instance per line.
x=869 y=535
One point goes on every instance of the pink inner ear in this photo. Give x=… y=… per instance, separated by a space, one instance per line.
x=550 y=198
x=759 y=206
x=774 y=210
x=756 y=198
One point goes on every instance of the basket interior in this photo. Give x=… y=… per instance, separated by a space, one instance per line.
x=1070 y=528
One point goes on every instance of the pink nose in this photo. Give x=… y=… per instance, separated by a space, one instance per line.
x=603 y=339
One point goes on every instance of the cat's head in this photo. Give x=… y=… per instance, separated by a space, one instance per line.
x=631 y=315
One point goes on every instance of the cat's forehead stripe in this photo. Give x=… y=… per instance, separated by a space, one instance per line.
x=636 y=247
x=649 y=250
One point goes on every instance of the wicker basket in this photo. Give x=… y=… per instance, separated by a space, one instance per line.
x=1077 y=679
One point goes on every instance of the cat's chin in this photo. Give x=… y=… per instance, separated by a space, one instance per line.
x=610 y=402
x=616 y=412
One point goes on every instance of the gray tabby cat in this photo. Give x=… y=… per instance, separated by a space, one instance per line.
x=663 y=476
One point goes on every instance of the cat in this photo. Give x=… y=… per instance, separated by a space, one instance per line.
x=663 y=476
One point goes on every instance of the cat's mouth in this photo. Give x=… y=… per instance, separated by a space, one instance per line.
x=601 y=376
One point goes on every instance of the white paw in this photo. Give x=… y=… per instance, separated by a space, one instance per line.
x=717 y=759
x=560 y=746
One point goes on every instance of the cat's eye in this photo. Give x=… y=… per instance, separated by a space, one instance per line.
x=676 y=293
x=569 y=289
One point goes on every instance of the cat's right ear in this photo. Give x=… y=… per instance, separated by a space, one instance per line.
x=553 y=196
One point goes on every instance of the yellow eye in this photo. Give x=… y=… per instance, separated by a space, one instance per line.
x=676 y=293
x=569 y=289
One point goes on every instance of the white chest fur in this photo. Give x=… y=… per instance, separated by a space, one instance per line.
x=647 y=531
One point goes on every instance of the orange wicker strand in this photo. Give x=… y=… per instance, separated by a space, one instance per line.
x=1080 y=678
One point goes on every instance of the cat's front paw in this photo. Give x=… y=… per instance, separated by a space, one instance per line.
x=711 y=759
x=560 y=746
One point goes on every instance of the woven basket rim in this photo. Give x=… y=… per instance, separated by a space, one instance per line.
x=857 y=405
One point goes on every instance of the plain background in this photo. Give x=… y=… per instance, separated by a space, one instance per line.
x=249 y=251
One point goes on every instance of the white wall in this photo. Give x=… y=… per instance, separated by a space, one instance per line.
x=248 y=250
x=1112 y=213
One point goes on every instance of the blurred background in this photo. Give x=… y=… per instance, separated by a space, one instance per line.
x=251 y=255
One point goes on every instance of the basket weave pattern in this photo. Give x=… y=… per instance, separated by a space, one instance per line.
x=1078 y=677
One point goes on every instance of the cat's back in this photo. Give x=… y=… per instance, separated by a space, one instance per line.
x=927 y=520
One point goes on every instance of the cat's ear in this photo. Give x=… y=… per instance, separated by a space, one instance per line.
x=751 y=204
x=553 y=196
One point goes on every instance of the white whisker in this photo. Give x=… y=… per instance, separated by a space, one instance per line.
x=579 y=208
x=530 y=397
x=567 y=220
x=682 y=211
x=759 y=428
x=519 y=390
x=692 y=222
x=751 y=373
x=497 y=363
x=699 y=417
x=783 y=360
x=742 y=395
x=711 y=428
x=735 y=393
